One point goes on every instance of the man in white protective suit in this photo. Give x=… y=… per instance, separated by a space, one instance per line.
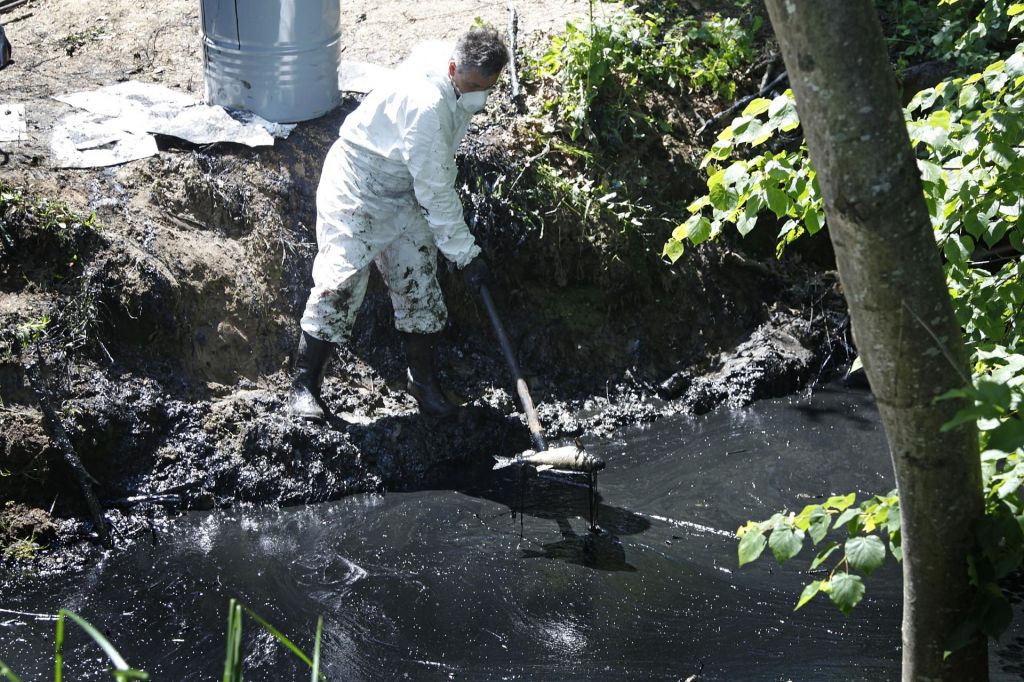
x=387 y=196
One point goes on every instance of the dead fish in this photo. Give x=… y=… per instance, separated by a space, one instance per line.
x=567 y=458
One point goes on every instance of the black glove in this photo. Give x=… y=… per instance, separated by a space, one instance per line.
x=476 y=273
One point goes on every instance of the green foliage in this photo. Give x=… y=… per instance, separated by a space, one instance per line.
x=233 y=659
x=33 y=228
x=967 y=131
x=232 y=663
x=121 y=672
x=606 y=70
x=969 y=33
x=35 y=214
x=22 y=549
x=605 y=95
x=740 y=192
x=870 y=528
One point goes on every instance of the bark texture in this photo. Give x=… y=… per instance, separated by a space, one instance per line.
x=902 y=316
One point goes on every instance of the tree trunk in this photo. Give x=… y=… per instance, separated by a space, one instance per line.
x=902 y=316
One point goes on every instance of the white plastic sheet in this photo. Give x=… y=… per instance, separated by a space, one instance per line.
x=80 y=141
x=129 y=114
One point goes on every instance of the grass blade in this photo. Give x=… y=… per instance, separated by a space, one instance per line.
x=122 y=670
x=9 y=674
x=233 y=658
x=277 y=634
x=58 y=654
x=316 y=648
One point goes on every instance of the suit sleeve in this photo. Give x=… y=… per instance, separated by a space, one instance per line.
x=428 y=156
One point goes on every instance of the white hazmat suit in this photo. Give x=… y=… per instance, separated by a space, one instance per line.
x=387 y=195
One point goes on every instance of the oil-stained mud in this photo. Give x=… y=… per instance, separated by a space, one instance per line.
x=171 y=369
x=167 y=326
x=449 y=584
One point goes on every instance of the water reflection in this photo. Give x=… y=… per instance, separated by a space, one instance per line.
x=599 y=550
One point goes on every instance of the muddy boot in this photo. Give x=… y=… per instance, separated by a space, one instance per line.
x=422 y=380
x=310 y=364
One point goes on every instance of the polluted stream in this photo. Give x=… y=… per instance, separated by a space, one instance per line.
x=502 y=580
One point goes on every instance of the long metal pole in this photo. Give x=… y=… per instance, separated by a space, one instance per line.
x=510 y=358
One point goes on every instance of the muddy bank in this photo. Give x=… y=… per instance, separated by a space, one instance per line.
x=171 y=321
x=163 y=298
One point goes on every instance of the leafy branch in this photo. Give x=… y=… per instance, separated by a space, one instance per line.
x=862 y=551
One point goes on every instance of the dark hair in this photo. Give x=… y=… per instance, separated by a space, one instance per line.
x=481 y=49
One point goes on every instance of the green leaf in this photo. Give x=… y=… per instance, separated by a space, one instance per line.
x=958 y=248
x=968 y=97
x=723 y=198
x=846 y=517
x=840 y=502
x=939 y=119
x=735 y=173
x=994 y=393
x=820 y=521
x=279 y=637
x=757 y=106
x=896 y=549
x=813 y=220
x=786 y=543
x=782 y=113
x=808 y=593
x=778 y=201
x=846 y=591
x=1015 y=64
x=745 y=222
x=1000 y=539
x=1008 y=436
x=866 y=553
x=751 y=545
x=961 y=636
x=700 y=230
x=930 y=172
x=698 y=204
x=973 y=224
x=824 y=555
x=673 y=250
x=996 y=612
x=753 y=133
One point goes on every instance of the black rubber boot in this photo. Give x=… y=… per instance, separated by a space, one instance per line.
x=310 y=364
x=420 y=351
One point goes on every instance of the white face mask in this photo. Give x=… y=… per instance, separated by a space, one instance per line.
x=472 y=102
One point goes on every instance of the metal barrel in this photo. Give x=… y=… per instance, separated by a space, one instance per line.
x=276 y=58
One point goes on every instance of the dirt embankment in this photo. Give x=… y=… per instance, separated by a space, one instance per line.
x=166 y=324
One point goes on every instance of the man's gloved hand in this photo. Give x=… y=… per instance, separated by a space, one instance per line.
x=476 y=273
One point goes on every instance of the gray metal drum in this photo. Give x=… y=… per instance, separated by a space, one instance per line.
x=276 y=58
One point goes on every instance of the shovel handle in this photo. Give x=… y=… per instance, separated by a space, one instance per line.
x=510 y=359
